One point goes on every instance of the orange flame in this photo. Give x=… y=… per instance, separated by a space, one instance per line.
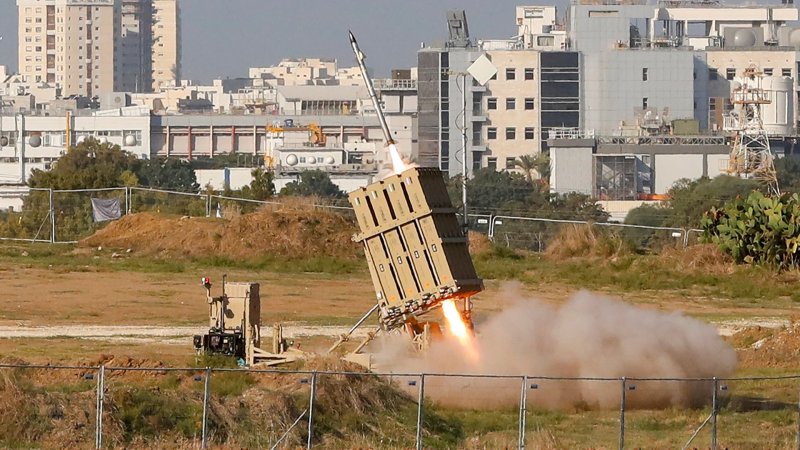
x=457 y=327
x=397 y=161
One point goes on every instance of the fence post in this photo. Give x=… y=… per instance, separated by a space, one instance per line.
x=101 y=388
x=52 y=218
x=523 y=409
x=686 y=232
x=204 y=436
x=208 y=205
x=420 y=401
x=127 y=199
x=622 y=414
x=311 y=409
x=798 y=424
x=714 y=415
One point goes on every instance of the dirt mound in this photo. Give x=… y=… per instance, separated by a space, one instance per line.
x=761 y=347
x=290 y=230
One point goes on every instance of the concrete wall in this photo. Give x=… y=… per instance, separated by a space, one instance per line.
x=571 y=170
x=671 y=168
x=616 y=88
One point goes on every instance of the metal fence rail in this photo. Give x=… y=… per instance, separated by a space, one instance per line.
x=111 y=383
x=65 y=216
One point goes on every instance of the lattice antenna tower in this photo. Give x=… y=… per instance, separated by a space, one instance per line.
x=751 y=156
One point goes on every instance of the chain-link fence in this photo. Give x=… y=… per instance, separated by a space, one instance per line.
x=535 y=233
x=109 y=407
x=65 y=216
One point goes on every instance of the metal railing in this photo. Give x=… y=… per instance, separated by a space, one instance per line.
x=113 y=386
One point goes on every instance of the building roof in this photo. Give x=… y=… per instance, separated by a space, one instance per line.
x=322 y=93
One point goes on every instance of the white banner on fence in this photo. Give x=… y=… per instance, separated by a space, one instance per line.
x=104 y=209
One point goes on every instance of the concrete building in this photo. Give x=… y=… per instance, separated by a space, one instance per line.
x=68 y=42
x=149 y=45
x=166 y=48
x=644 y=62
x=537 y=87
x=631 y=168
x=87 y=47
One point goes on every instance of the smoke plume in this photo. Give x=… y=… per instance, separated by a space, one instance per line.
x=588 y=336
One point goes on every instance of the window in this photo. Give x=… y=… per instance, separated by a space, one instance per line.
x=491 y=162
x=644 y=103
x=491 y=103
x=510 y=163
x=511 y=133
x=730 y=73
x=511 y=73
x=768 y=71
x=491 y=133
x=511 y=103
x=712 y=74
x=529 y=103
x=786 y=72
x=528 y=73
x=644 y=74
x=530 y=133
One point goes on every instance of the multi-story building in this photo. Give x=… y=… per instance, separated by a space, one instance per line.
x=88 y=47
x=536 y=87
x=149 y=45
x=166 y=47
x=674 y=61
x=68 y=42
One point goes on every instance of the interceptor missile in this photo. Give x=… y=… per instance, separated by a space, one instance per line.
x=360 y=57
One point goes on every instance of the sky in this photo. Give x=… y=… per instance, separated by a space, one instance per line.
x=223 y=38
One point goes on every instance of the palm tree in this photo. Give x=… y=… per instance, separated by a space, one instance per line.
x=527 y=164
x=542 y=165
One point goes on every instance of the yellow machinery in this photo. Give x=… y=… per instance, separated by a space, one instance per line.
x=315 y=136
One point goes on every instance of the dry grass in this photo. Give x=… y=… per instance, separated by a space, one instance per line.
x=582 y=241
x=706 y=257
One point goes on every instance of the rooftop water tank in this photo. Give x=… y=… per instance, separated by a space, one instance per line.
x=779 y=113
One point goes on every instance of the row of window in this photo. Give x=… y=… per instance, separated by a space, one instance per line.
x=491 y=163
x=511 y=133
x=730 y=73
x=511 y=73
x=511 y=103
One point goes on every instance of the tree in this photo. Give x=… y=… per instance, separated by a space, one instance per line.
x=529 y=164
x=688 y=200
x=262 y=187
x=89 y=165
x=542 y=165
x=788 y=171
x=526 y=163
x=313 y=183
x=168 y=173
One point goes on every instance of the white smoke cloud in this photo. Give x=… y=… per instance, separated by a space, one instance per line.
x=588 y=336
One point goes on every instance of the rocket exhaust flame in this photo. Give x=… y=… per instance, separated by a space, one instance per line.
x=397 y=162
x=457 y=327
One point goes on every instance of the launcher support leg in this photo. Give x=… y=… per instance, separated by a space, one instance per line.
x=346 y=337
